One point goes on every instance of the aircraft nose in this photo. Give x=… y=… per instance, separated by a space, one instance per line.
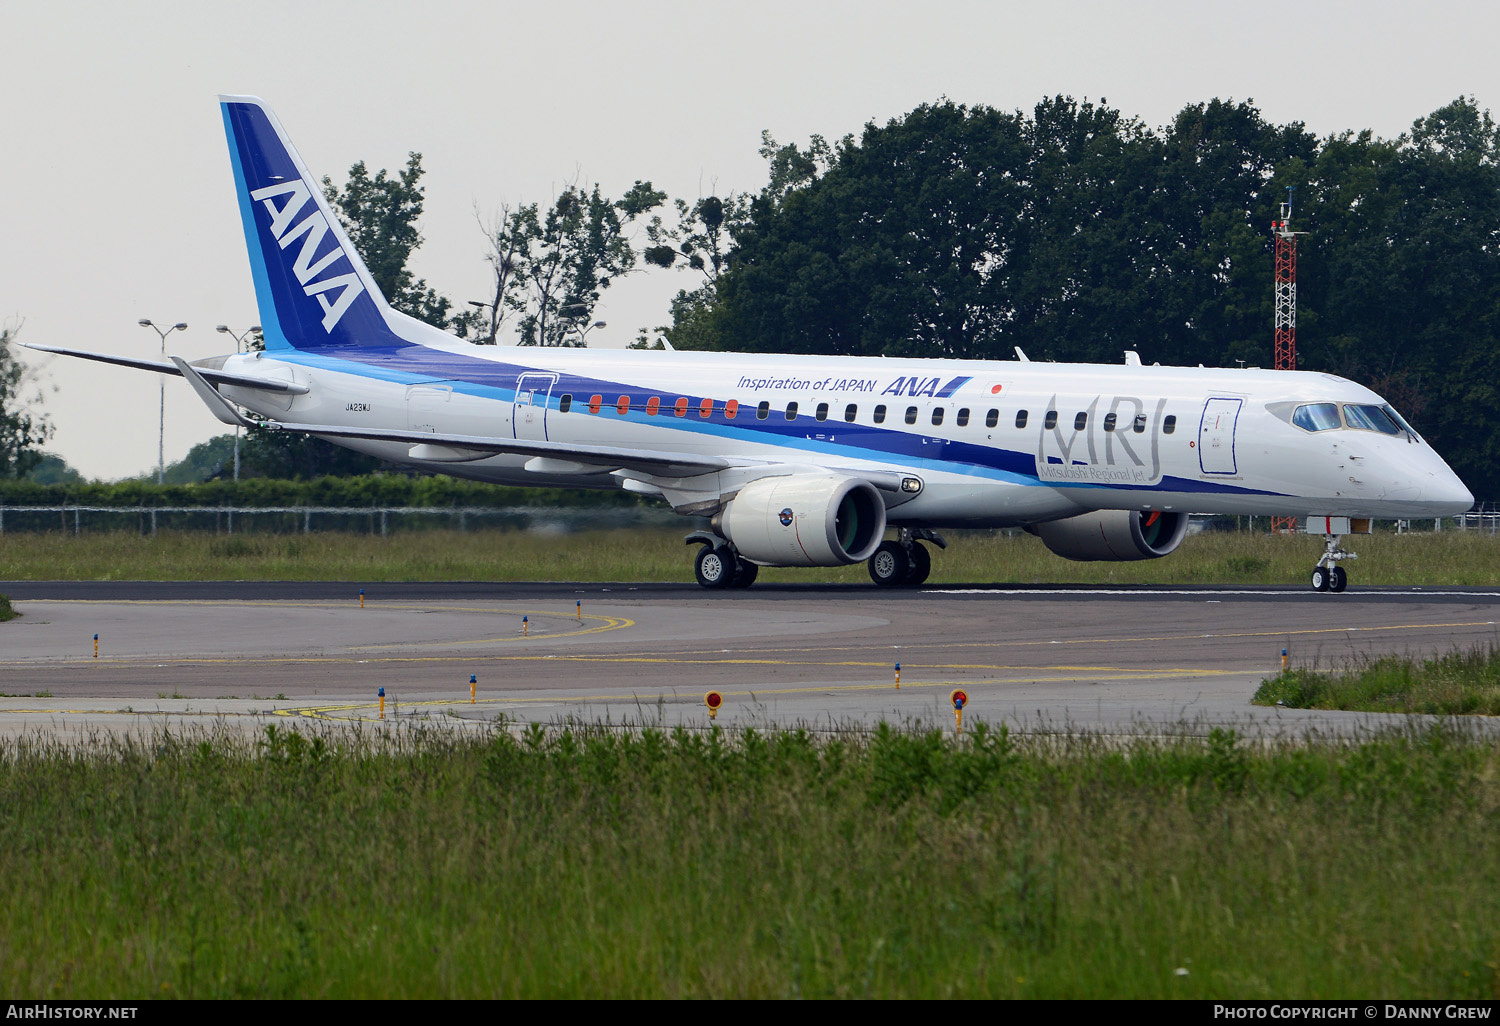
x=1445 y=492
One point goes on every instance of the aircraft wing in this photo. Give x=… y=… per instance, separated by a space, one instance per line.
x=218 y=377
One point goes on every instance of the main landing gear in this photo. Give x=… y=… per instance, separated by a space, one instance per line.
x=719 y=565
x=1327 y=575
x=903 y=562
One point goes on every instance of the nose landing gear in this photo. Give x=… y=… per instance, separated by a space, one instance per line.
x=1327 y=575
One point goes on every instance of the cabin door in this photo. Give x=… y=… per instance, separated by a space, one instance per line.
x=1216 y=435
x=533 y=396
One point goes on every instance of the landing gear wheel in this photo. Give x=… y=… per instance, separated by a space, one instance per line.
x=921 y=566
x=714 y=566
x=1340 y=580
x=1321 y=578
x=889 y=565
x=745 y=573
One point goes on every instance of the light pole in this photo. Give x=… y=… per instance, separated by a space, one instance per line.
x=572 y=314
x=161 y=431
x=494 y=317
x=239 y=340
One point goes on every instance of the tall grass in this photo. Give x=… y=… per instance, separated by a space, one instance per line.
x=1452 y=683
x=644 y=555
x=639 y=863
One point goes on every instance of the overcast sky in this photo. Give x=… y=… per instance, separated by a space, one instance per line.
x=117 y=201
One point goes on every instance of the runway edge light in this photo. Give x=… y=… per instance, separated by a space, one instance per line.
x=713 y=700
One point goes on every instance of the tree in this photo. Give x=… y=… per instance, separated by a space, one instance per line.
x=700 y=242
x=204 y=462
x=292 y=456
x=53 y=469
x=551 y=268
x=1405 y=238
x=22 y=429
x=380 y=216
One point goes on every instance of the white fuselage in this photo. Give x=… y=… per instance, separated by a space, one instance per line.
x=992 y=443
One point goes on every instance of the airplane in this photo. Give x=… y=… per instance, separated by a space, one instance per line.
x=798 y=461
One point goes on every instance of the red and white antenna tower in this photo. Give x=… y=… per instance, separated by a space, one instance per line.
x=1286 y=286
x=1286 y=312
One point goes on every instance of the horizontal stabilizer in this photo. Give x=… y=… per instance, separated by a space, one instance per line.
x=216 y=377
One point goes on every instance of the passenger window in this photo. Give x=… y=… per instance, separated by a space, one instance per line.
x=595 y=401
x=706 y=408
x=1169 y=424
x=731 y=408
x=911 y=414
x=1020 y=418
x=880 y=414
x=1140 y=424
x=822 y=413
x=680 y=407
x=1317 y=417
x=1109 y=422
x=963 y=417
x=622 y=407
x=1080 y=422
x=652 y=405
x=762 y=411
x=791 y=411
x=937 y=416
x=1370 y=418
x=850 y=412
x=1050 y=421
x=565 y=403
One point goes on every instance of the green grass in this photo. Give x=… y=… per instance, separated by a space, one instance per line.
x=642 y=555
x=596 y=862
x=6 y=612
x=1454 y=683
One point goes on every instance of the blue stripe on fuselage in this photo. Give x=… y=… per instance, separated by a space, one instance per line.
x=494 y=380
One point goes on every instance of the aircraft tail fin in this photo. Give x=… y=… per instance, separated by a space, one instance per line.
x=312 y=287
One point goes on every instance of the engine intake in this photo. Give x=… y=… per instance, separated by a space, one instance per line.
x=805 y=520
x=1114 y=534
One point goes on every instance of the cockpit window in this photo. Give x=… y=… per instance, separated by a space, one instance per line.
x=1317 y=417
x=1370 y=418
x=1402 y=421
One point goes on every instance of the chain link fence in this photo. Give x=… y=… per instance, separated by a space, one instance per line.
x=380 y=520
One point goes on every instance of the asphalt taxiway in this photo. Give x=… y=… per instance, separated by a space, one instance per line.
x=1134 y=659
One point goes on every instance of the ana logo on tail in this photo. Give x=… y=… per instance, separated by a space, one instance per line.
x=308 y=265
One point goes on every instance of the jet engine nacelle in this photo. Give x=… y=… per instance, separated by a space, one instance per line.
x=1114 y=534
x=805 y=520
